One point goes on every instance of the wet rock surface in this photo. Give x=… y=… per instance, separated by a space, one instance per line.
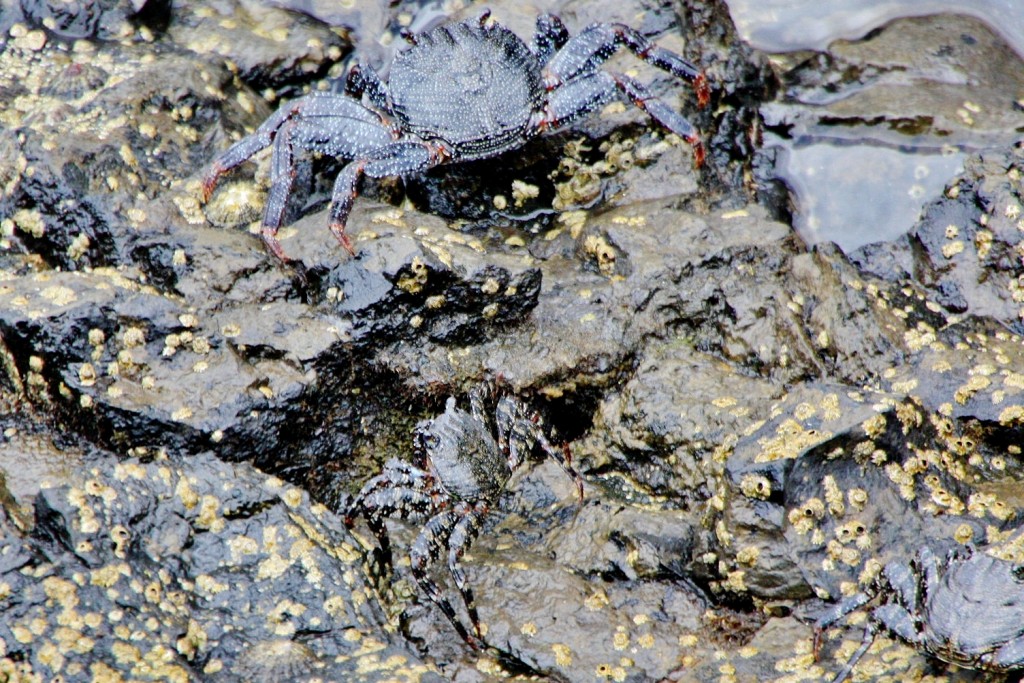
x=173 y=550
x=760 y=425
x=890 y=117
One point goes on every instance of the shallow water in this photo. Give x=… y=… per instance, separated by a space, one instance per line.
x=868 y=132
x=885 y=200
x=786 y=25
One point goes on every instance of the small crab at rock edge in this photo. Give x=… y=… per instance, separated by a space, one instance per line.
x=462 y=468
x=463 y=91
x=967 y=609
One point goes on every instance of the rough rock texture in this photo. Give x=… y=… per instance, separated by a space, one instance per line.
x=760 y=425
x=199 y=570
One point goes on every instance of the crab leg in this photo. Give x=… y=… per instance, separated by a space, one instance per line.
x=331 y=124
x=282 y=180
x=564 y=459
x=380 y=505
x=477 y=397
x=573 y=101
x=586 y=94
x=466 y=529
x=835 y=613
x=346 y=188
x=400 y=488
x=662 y=113
x=929 y=570
x=869 y=638
x=523 y=434
x=592 y=47
x=395 y=158
x=399 y=479
x=427 y=547
x=395 y=472
x=396 y=499
x=894 y=617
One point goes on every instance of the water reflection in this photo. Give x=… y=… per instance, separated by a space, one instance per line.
x=870 y=131
x=884 y=197
x=786 y=25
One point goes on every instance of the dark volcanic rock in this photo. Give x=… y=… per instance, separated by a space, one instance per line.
x=760 y=425
x=230 y=575
x=966 y=247
x=103 y=19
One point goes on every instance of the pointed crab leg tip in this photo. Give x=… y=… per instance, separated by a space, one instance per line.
x=209 y=183
x=210 y=180
x=700 y=85
x=339 y=232
x=275 y=248
x=698 y=151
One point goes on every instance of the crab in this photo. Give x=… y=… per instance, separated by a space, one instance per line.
x=462 y=470
x=463 y=91
x=967 y=609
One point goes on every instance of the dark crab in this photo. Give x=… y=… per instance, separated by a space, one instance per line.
x=463 y=91
x=967 y=609
x=462 y=469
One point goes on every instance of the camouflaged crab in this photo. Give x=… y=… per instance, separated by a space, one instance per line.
x=463 y=91
x=462 y=469
x=967 y=609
